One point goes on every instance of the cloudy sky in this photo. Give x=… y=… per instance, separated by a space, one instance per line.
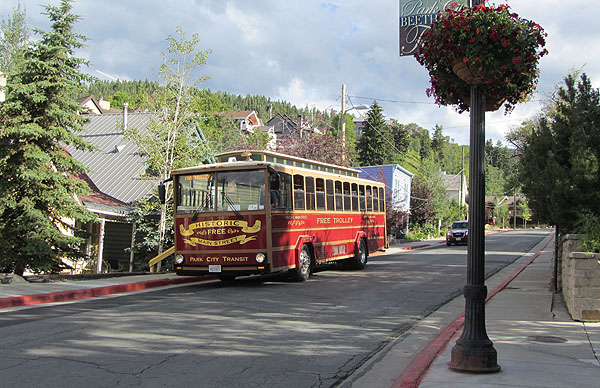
x=302 y=51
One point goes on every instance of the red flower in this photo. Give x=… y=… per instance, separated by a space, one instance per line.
x=505 y=42
x=472 y=40
x=494 y=36
x=517 y=60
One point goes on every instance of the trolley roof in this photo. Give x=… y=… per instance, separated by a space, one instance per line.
x=252 y=157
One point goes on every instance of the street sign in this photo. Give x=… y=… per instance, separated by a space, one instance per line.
x=416 y=17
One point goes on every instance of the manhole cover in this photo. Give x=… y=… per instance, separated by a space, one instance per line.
x=547 y=339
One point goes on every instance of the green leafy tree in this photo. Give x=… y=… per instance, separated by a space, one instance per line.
x=376 y=143
x=172 y=139
x=501 y=213
x=39 y=213
x=14 y=35
x=422 y=209
x=144 y=216
x=525 y=212
x=560 y=155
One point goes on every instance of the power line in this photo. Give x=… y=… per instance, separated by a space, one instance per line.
x=395 y=101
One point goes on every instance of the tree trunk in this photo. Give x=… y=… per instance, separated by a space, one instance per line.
x=19 y=269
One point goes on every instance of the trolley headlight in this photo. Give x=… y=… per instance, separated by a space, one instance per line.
x=260 y=257
x=178 y=259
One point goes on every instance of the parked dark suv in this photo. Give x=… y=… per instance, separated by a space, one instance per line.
x=458 y=233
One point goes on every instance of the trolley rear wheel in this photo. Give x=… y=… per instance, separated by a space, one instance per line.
x=302 y=272
x=360 y=258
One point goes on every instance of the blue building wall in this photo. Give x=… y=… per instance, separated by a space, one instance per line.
x=397 y=182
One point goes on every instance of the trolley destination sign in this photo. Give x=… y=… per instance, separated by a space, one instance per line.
x=416 y=17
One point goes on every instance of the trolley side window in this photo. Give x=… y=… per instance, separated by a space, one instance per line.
x=310 y=193
x=381 y=200
x=347 y=197
x=339 y=196
x=320 y=186
x=281 y=191
x=375 y=199
x=361 y=192
x=330 y=194
x=298 y=192
x=354 y=197
x=369 y=199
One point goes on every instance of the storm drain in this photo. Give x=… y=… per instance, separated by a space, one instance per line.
x=546 y=339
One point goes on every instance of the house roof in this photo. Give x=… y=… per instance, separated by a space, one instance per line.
x=393 y=166
x=116 y=168
x=249 y=115
x=96 y=106
x=100 y=202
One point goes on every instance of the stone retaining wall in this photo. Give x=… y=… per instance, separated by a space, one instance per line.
x=581 y=284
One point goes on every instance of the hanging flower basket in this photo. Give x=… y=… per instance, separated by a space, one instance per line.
x=485 y=46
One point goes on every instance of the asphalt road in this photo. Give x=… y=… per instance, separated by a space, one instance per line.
x=255 y=332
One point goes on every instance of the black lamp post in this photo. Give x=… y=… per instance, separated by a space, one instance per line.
x=474 y=351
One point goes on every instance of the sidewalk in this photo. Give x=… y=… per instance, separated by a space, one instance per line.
x=537 y=342
x=27 y=294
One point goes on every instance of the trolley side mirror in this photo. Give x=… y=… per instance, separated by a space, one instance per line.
x=162 y=193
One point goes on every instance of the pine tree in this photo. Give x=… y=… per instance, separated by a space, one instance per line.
x=39 y=212
x=438 y=142
x=560 y=156
x=376 y=143
x=401 y=133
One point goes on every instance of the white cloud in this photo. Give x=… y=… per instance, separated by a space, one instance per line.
x=245 y=22
x=302 y=52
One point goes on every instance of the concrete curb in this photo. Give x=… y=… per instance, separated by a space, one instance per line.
x=411 y=376
x=62 y=296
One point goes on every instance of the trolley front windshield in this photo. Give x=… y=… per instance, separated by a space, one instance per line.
x=221 y=191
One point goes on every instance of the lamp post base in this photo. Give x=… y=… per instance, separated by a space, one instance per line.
x=474 y=358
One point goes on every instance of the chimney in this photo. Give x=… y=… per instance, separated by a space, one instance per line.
x=125 y=105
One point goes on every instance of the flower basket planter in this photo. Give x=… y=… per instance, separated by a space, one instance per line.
x=462 y=71
x=493 y=103
x=487 y=46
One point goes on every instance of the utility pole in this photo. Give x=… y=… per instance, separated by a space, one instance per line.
x=515 y=209
x=343 y=121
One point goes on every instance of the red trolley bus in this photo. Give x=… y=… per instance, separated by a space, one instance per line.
x=260 y=212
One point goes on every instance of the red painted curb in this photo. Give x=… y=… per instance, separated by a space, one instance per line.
x=62 y=296
x=415 y=371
